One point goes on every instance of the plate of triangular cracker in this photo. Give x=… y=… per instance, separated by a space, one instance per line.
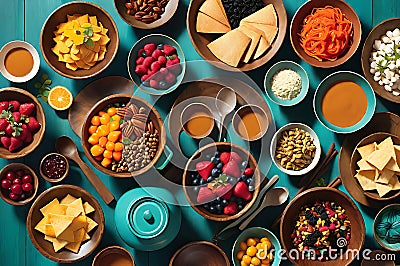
x=252 y=44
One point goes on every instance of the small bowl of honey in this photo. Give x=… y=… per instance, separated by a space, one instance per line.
x=250 y=122
x=197 y=120
x=113 y=256
x=19 y=61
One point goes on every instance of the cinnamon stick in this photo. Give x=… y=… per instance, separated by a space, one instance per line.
x=335 y=182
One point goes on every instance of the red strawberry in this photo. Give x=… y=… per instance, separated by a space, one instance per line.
x=9 y=130
x=205 y=195
x=169 y=63
x=232 y=169
x=164 y=70
x=158 y=76
x=248 y=171
x=15 y=105
x=176 y=60
x=176 y=69
x=155 y=66
x=236 y=157
x=169 y=50
x=27 y=109
x=3 y=106
x=223 y=190
x=28 y=137
x=204 y=169
x=150 y=73
x=17 y=116
x=170 y=78
x=227 y=195
x=149 y=48
x=144 y=77
x=242 y=191
x=157 y=53
x=3 y=124
x=147 y=61
x=225 y=157
x=162 y=60
x=16 y=143
x=231 y=208
x=140 y=70
x=6 y=141
x=33 y=124
x=140 y=60
x=24 y=132
x=154 y=83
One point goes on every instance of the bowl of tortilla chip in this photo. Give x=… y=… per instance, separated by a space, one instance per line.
x=79 y=40
x=375 y=164
x=65 y=223
x=220 y=38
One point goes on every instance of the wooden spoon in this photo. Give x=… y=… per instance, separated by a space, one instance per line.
x=67 y=147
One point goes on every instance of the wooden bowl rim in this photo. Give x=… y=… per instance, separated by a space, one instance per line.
x=35 y=184
x=271 y=52
x=344 y=57
x=187 y=245
x=54 y=180
x=223 y=218
x=162 y=136
x=86 y=75
x=99 y=227
x=378 y=89
x=111 y=248
x=315 y=190
x=39 y=110
x=377 y=238
x=155 y=24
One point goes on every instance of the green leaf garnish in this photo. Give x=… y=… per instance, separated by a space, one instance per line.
x=89 y=43
x=126 y=141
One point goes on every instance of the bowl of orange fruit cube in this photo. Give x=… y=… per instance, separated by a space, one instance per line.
x=123 y=136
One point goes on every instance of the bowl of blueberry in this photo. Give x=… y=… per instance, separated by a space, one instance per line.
x=19 y=184
x=221 y=181
x=156 y=64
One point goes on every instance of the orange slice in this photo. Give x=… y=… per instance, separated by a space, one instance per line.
x=60 y=98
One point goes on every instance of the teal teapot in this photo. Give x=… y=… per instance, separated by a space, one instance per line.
x=147 y=218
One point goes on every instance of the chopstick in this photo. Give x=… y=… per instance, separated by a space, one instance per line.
x=321 y=169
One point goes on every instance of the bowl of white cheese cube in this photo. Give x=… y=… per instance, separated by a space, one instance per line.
x=381 y=59
x=286 y=83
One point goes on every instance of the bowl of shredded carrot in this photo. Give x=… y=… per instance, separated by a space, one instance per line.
x=325 y=33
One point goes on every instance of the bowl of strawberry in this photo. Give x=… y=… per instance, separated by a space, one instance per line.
x=19 y=184
x=22 y=123
x=221 y=181
x=156 y=64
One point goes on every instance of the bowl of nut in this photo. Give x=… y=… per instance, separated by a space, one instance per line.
x=146 y=14
x=121 y=127
x=295 y=149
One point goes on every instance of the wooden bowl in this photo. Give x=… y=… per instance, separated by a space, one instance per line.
x=375 y=34
x=123 y=98
x=200 y=40
x=24 y=96
x=198 y=156
x=297 y=23
x=54 y=180
x=199 y=253
x=170 y=10
x=44 y=246
x=382 y=242
x=16 y=167
x=60 y=16
x=355 y=157
x=310 y=196
x=114 y=252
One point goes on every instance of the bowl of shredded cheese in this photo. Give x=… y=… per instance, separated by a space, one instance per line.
x=286 y=83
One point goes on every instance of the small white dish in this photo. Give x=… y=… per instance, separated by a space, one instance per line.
x=19 y=44
x=277 y=136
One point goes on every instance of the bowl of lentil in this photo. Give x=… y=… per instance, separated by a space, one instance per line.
x=318 y=220
x=286 y=83
x=120 y=150
x=295 y=149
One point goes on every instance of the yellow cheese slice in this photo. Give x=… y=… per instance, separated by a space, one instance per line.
x=379 y=159
x=364 y=165
x=265 y=15
x=213 y=9
x=57 y=243
x=91 y=224
x=366 y=180
x=221 y=6
x=392 y=165
x=269 y=31
x=67 y=235
x=79 y=236
x=77 y=204
x=263 y=45
x=207 y=24
x=41 y=225
x=383 y=189
x=73 y=211
x=68 y=199
x=53 y=207
x=255 y=39
x=78 y=223
x=385 y=176
x=387 y=145
x=366 y=150
x=49 y=230
x=88 y=208
x=395 y=183
x=60 y=222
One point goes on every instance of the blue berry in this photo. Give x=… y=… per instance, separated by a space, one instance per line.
x=160 y=46
x=214 y=172
x=224 y=202
x=218 y=199
x=249 y=180
x=202 y=181
x=212 y=209
x=215 y=160
x=144 y=54
x=146 y=83
x=251 y=188
x=243 y=178
x=240 y=207
x=220 y=165
x=193 y=176
x=216 y=154
x=195 y=182
x=219 y=207
x=240 y=201
x=233 y=198
x=244 y=164
x=209 y=179
x=206 y=206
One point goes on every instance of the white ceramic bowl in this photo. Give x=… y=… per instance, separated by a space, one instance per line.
x=19 y=44
x=277 y=136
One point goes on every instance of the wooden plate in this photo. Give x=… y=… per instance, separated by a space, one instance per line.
x=200 y=40
x=91 y=94
x=380 y=122
x=205 y=91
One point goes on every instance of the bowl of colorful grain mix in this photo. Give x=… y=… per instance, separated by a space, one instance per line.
x=286 y=83
x=295 y=149
x=322 y=225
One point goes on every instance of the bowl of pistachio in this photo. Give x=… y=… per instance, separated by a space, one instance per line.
x=295 y=149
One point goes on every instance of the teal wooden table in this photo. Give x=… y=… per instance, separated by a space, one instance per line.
x=23 y=20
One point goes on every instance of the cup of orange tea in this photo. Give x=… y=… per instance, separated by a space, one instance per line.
x=197 y=120
x=250 y=122
x=19 y=61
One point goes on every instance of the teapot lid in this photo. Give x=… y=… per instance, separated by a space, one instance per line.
x=148 y=217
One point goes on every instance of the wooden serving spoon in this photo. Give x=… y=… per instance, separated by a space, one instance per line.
x=67 y=147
